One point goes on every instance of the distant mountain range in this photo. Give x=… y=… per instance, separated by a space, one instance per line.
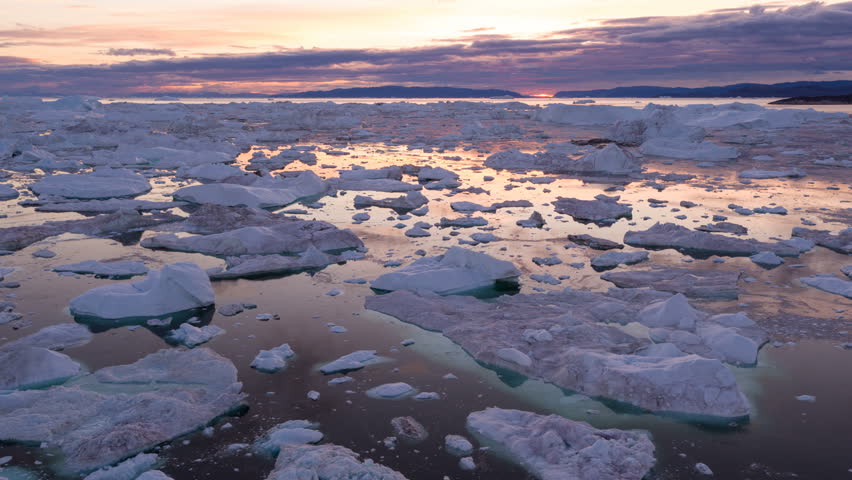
x=790 y=89
x=746 y=90
x=397 y=91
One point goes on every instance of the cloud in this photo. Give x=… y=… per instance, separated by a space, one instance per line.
x=767 y=43
x=6 y=61
x=132 y=52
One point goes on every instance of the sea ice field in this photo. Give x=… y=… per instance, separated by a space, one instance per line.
x=433 y=290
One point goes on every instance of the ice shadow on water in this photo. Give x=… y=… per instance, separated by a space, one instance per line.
x=500 y=288
x=159 y=326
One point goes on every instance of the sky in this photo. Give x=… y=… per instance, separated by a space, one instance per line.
x=123 y=47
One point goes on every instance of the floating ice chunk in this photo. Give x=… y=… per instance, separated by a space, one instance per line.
x=592 y=356
x=103 y=206
x=327 y=462
x=417 y=232
x=230 y=309
x=6 y=317
x=484 y=237
x=535 y=221
x=657 y=121
x=293 y=432
x=427 y=396
x=191 y=336
x=458 y=445
x=393 y=172
x=7 y=192
x=130 y=469
x=256 y=265
x=44 y=253
x=703 y=469
x=391 y=390
x=540 y=335
x=409 y=429
x=463 y=222
x=555 y=448
x=675 y=312
x=339 y=380
x=729 y=346
x=723 y=227
x=829 y=283
x=374 y=185
x=177 y=287
x=515 y=356
x=54 y=337
x=610 y=160
x=806 y=398
x=213 y=172
x=153 y=475
x=765 y=174
x=547 y=261
x=683 y=149
x=767 y=259
x=286 y=236
x=614 y=259
x=75 y=102
x=594 y=242
x=262 y=193
x=347 y=363
x=456 y=271
x=670 y=235
x=101 y=183
x=604 y=211
x=586 y=114
x=121 y=268
x=33 y=367
x=467 y=464
x=841 y=242
x=409 y=201
x=737 y=320
x=172 y=158
x=93 y=429
x=545 y=278
x=778 y=210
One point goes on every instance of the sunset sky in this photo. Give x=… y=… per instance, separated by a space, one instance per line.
x=115 y=47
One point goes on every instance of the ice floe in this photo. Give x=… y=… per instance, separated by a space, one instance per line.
x=556 y=448
x=456 y=271
x=177 y=287
x=598 y=360
x=101 y=183
x=93 y=429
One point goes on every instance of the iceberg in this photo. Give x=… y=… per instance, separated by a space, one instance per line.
x=556 y=448
x=177 y=287
x=458 y=270
x=101 y=183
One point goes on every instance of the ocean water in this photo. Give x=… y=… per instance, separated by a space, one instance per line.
x=782 y=439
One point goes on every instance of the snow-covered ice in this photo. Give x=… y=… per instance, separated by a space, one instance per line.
x=456 y=271
x=177 y=287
